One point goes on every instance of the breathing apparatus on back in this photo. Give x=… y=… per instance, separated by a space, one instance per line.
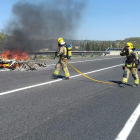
x=69 y=53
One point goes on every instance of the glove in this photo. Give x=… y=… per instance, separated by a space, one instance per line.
x=61 y=55
x=122 y=53
x=56 y=54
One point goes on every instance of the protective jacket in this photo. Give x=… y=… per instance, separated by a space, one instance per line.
x=62 y=51
x=131 y=58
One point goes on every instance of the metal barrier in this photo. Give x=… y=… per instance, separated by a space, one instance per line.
x=116 y=51
x=82 y=53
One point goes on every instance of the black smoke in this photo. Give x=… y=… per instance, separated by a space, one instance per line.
x=36 y=26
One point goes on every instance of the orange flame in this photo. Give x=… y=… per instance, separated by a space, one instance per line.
x=16 y=54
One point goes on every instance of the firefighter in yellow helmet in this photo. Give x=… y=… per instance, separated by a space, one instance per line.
x=62 y=53
x=131 y=63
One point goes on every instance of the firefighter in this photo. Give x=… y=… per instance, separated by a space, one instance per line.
x=62 y=53
x=131 y=63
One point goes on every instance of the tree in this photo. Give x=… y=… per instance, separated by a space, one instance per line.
x=96 y=47
x=113 y=45
x=103 y=46
x=87 y=47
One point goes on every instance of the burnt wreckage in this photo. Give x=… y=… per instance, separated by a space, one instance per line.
x=18 y=61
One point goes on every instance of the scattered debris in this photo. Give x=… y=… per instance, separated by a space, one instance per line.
x=18 y=61
x=20 y=65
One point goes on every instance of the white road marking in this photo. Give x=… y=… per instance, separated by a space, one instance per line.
x=129 y=125
x=87 y=60
x=50 y=82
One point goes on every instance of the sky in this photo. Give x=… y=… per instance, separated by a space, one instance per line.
x=101 y=19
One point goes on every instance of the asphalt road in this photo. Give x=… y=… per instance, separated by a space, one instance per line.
x=35 y=107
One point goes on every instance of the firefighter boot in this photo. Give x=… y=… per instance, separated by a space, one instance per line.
x=135 y=85
x=66 y=78
x=54 y=76
x=122 y=84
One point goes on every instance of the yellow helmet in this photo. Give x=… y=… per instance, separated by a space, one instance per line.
x=60 y=40
x=130 y=45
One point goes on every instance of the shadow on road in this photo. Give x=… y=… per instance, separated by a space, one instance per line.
x=119 y=82
x=60 y=77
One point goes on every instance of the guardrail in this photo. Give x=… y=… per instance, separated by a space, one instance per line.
x=117 y=49
x=113 y=49
x=73 y=52
x=82 y=53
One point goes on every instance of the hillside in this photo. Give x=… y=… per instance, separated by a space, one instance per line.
x=8 y=42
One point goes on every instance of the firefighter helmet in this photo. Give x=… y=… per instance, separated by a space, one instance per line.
x=60 y=40
x=129 y=44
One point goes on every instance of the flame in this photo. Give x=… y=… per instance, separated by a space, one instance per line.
x=8 y=66
x=5 y=65
x=15 y=54
x=16 y=65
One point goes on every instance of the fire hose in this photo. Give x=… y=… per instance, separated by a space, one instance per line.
x=88 y=76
